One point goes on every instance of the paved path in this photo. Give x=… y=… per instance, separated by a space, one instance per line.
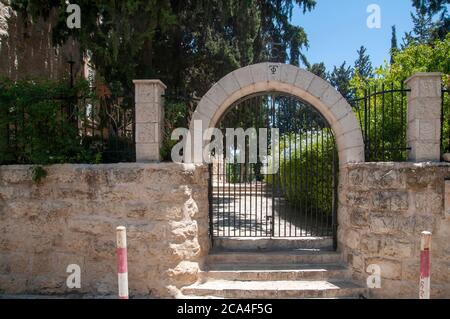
x=247 y=210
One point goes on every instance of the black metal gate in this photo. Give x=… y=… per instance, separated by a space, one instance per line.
x=300 y=199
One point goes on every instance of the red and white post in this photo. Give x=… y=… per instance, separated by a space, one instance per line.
x=425 y=265
x=122 y=262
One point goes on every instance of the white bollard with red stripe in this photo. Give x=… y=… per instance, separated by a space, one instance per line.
x=122 y=263
x=425 y=265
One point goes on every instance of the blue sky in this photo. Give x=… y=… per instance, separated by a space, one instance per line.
x=337 y=28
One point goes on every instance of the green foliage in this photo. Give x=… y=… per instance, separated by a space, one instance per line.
x=233 y=173
x=113 y=149
x=383 y=120
x=319 y=69
x=410 y=60
x=340 y=79
x=419 y=58
x=394 y=43
x=390 y=131
x=243 y=173
x=38 y=173
x=422 y=32
x=427 y=9
x=189 y=45
x=175 y=116
x=363 y=66
x=34 y=126
x=308 y=168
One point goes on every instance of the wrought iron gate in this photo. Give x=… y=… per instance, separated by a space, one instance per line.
x=299 y=200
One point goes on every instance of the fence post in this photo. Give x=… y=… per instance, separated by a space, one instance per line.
x=424 y=117
x=149 y=116
x=122 y=262
x=425 y=265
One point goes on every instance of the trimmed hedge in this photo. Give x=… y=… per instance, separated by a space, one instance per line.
x=306 y=176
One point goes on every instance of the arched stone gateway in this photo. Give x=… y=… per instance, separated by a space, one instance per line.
x=295 y=202
x=277 y=77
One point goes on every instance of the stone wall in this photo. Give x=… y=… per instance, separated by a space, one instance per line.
x=383 y=209
x=27 y=51
x=70 y=218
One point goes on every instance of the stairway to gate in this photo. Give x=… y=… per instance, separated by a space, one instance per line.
x=264 y=268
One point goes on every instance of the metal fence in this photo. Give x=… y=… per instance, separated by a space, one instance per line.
x=103 y=126
x=294 y=198
x=382 y=112
x=110 y=125
x=445 y=121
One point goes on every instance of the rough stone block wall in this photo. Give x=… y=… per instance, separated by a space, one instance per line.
x=383 y=209
x=70 y=218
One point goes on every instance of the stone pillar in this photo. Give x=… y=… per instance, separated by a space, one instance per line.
x=447 y=199
x=424 y=117
x=149 y=119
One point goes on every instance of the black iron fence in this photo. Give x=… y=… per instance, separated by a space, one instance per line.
x=58 y=129
x=295 y=196
x=445 y=121
x=109 y=125
x=382 y=112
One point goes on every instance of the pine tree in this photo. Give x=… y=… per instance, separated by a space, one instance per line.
x=340 y=79
x=407 y=40
x=432 y=6
x=319 y=69
x=363 y=66
x=423 y=26
x=439 y=9
x=189 y=45
x=394 y=44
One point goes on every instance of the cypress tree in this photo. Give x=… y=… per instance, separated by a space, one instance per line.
x=394 y=44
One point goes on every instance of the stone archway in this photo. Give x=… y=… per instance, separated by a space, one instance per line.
x=266 y=77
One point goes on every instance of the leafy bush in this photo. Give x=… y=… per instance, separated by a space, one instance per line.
x=243 y=173
x=37 y=126
x=410 y=60
x=306 y=175
x=233 y=173
x=383 y=119
x=175 y=116
x=114 y=149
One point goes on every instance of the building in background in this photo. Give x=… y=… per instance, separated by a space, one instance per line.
x=27 y=51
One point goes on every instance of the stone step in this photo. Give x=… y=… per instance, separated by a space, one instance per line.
x=297 y=256
x=273 y=272
x=221 y=298
x=268 y=243
x=275 y=289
